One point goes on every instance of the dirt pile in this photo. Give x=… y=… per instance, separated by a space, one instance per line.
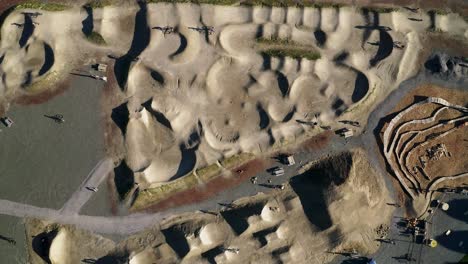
x=327 y=209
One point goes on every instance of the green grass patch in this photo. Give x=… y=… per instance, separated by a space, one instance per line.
x=441 y=12
x=292 y=53
x=209 y=172
x=236 y=160
x=276 y=47
x=99 y=3
x=96 y=38
x=42 y=6
x=464 y=260
x=322 y=5
x=154 y=195
x=275 y=41
x=157 y=194
x=213 y=2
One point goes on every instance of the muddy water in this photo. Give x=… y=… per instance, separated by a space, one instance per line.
x=42 y=162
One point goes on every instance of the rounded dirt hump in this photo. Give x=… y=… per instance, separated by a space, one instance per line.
x=237 y=39
x=22 y=66
x=164 y=166
x=229 y=124
x=227 y=79
x=41 y=244
x=349 y=84
x=306 y=95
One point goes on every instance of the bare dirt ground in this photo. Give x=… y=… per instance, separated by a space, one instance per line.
x=445 y=139
x=177 y=119
x=337 y=206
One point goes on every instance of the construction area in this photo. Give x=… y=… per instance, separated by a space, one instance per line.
x=233 y=132
x=307 y=222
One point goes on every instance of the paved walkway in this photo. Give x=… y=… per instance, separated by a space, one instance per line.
x=94 y=179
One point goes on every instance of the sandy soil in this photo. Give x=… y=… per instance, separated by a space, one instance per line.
x=209 y=97
x=336 y=206
x=411 y=148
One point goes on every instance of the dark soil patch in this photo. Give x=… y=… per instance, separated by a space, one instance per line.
x=42 y=97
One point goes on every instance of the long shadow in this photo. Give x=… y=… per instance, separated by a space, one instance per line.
x=123 y=259
x=311 y=186
x=385 y=47
x=283 y=83
x=454 y=240
x=49 y=59
x=361 y=84
x=27 y=80
x=141 y=39
x=182 y=46
x=319 y=34
x=88 y=23
x=357 y=260
x=41 y=244
x=237 y=218
x=120 y=116
x=266 y=65
x=158 y=115
x=361 y=87
x=157 y=77
x=175 y=238
x=211 y=254
x=264 y=119
x=188 y=161
x=289 y=115
x=432 y=15
x=371 y=18
x=123 y=179
x=271 y=137
x=28 y=30
x=279 y=251
x=261 y=235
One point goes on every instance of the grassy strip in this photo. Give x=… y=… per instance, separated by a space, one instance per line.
x=209 y=172
x=99 y=3
x=292 y=53
x=42 y=84
x=156 y=194
x=213 y=2
x=276 y=47
x=464 y=260
x=96 y=38
x=234 y=161
x=274 y=41
x=42 y=6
